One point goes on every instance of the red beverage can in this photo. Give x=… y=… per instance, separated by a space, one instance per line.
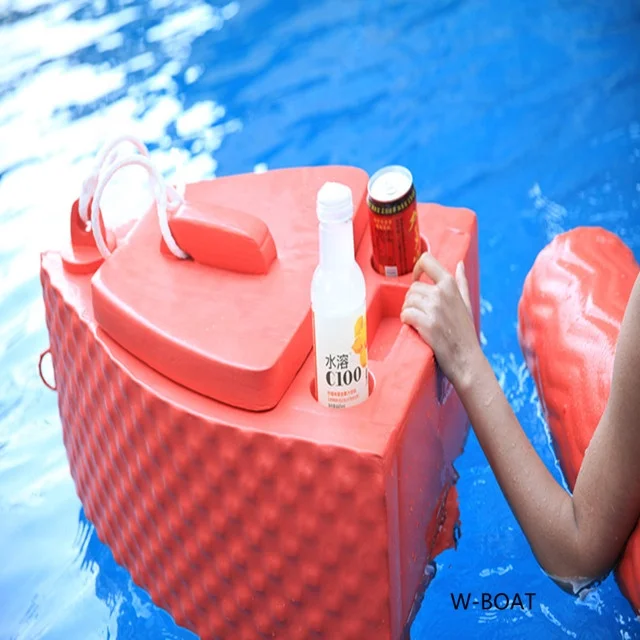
x=393 y=210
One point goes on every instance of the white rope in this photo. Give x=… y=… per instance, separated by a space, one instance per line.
x=166 y=198
x=106 y=155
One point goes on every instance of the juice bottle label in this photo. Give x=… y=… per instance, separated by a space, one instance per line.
x=342 y=373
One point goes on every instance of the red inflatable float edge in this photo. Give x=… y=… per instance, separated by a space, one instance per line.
x=570 y=312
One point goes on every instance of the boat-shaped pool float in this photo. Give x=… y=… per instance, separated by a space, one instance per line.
x=186 y=392
x=570 y=313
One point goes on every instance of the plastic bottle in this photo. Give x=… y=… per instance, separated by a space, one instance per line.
x=338 y=302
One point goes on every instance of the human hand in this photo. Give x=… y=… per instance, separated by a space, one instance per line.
x=441 y=313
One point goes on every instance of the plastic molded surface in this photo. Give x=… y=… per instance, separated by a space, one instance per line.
x=221 y=237
x=235 y=337
x=570 y=313
x=293 y=523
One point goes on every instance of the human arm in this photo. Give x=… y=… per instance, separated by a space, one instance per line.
x=577 y=536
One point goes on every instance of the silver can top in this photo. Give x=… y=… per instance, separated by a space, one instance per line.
x=390 y=184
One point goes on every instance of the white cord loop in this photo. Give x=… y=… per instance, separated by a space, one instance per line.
x=106 y=155
x=167 y=198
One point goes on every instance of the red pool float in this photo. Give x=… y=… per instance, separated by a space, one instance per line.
x=243 y=506
x=572 y=305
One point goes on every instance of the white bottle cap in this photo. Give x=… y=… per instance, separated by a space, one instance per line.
x=335 y=203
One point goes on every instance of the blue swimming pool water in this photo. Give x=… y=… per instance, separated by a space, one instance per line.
x=528 y=112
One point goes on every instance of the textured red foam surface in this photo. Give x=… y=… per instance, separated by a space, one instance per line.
x=297 y=522
x=570 y=313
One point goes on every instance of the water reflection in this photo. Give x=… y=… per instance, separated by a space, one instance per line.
x=79 y=73
x=132 y=613
x=73 y=74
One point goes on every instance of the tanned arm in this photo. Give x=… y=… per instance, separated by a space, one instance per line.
x=574 y=537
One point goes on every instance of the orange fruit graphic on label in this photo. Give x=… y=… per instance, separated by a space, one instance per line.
x=359 y=345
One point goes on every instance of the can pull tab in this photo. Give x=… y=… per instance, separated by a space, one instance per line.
x=221 y=237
